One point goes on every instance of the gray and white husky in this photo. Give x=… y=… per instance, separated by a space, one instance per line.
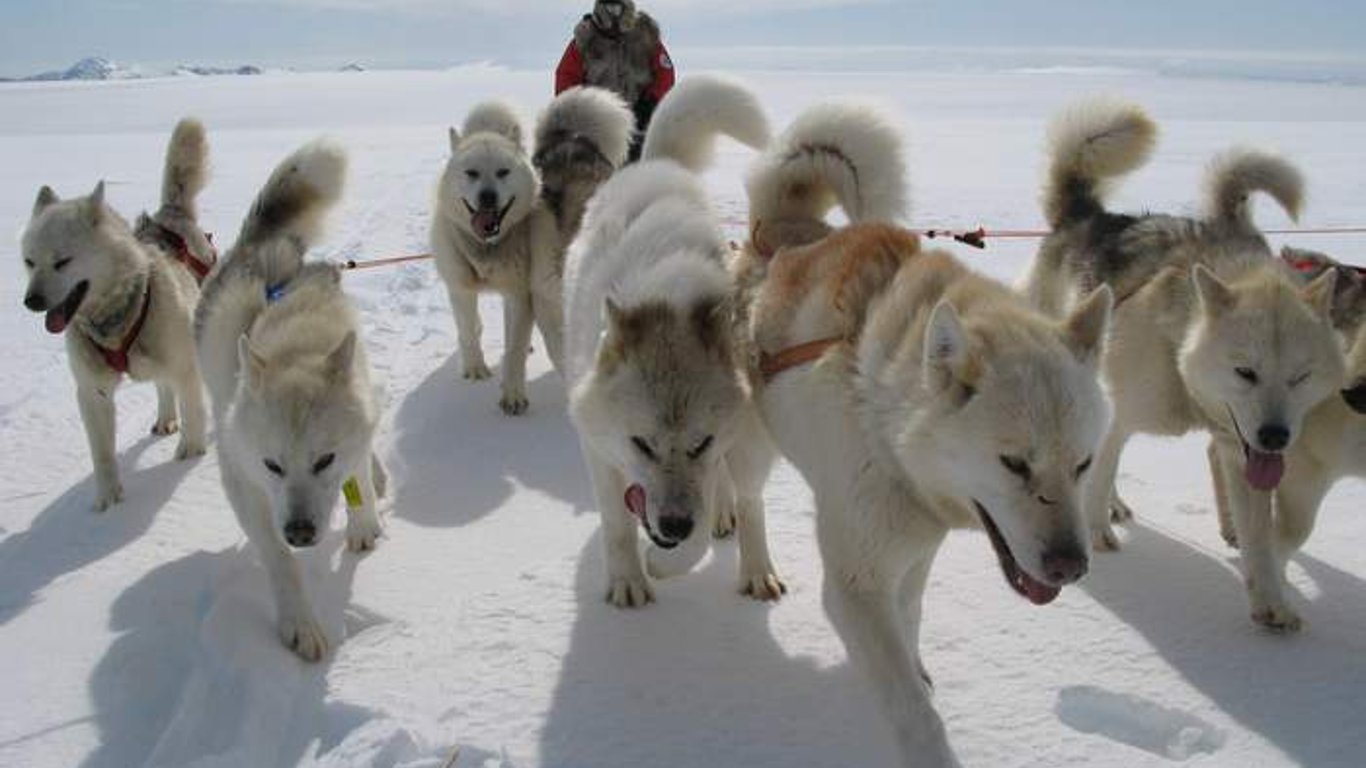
x=656 y=370
x=292 y=401
x=496 y=228
x=124 y=296
x=1210 y=332
x=914 y=397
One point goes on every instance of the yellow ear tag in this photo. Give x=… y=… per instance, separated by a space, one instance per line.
x=351 y=490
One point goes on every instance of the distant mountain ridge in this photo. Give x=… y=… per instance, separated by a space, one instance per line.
x=97 y=68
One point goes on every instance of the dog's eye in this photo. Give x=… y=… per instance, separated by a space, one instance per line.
x=1082 y=467
x=472 y=175
x=1016 y=466
x=322 y=464
x=60 y=264
x=644 y=448
x=700 y=448
x=274 y=469
x=1246 y=374
x=1298 y=380
x=503 y=173
x=28 y=263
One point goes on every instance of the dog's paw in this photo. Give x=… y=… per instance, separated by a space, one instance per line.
x=1230 y=538
x=765 y=587
x=189 y=449
x=1277 y=618
x=166 y=427
x=108 y=497
x=477 y=371
x=1105 y=540
x=725 y=524
x=1120 y=512
x=362 y=535
x=303 y=634
x=514 y=404
x=630 y=592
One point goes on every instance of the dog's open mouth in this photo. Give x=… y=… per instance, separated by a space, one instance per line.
x=1263 y=469
x=1355 y=396
x=488 y=222
x=60 y=316
x=635 y=504
x=1025 y=585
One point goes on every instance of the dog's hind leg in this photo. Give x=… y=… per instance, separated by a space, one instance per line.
x=723 y=501
x=1100 y=489
x=468 y=326
x=189 y=391
x=97 y=413
x=549 y=314
x=750 y=460
x=517 y=324
x=911 y=599
x=1252 y=518
x=166 y=423
x=363 y=528
x=379 y=475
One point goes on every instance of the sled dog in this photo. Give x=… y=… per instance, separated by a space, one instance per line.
x=1210 y=331
x=124 y=296
x=656 y=370
x=292 y=402
x=914 y=397
x=498 y=228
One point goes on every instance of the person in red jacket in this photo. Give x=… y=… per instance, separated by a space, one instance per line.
x=618 y=47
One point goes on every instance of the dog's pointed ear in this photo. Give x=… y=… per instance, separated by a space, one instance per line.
x=94 y=204
x=1084 y=332
x=455 y=138
x=1215 y=296
x=46 y=197
x=1319 y=294
x=252 y=365
x=339 y=361
x=946 y=347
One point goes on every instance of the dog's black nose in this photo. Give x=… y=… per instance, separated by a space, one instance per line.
x=488 y=199
x=301 y=532
x=1064 y=565
x=675 y=527
x=1273 y=437
x=35 y=303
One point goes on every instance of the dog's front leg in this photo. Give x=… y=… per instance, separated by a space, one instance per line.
x=749 y=462
x=1297 y=507
x=869 y=622
x=166 y=423
x=97 y=414
x=1221 y=503
x=517 y=323
x=363 y=528
x=189 y=390
x=627 y=586
x=1251 y=511
x=468 y=326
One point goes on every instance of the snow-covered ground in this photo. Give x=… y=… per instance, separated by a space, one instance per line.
x=143 y=636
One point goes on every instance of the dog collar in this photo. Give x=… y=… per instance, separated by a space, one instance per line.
x=770 y=365
x=117 y=358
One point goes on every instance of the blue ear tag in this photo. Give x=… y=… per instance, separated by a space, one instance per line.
x=274 y=293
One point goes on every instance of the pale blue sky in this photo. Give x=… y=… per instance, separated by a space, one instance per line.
x=41 y=34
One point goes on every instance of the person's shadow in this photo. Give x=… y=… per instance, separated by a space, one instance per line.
x=456 y=458
x=696 y=681
x=69 y=535
x=1304 y=693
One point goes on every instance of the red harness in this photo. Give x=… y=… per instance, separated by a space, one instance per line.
x=185 y=256
x=117 y=359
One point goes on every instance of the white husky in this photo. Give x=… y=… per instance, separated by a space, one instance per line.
x=125 y=303
x=290 y=384
x=656 y=374
x=496 y=229
x=915 y=397
x=1210 y=332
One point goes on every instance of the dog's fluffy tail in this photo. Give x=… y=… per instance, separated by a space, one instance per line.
x=686 y=124
x=298 y=193
x=1234 y=175
x=833 y=154
x=1088 y=145
x=496 y=117
x=595 y=114
x=187 y=167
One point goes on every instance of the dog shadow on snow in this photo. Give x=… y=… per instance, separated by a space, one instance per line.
x=634 y=690
x=1304 y=693
x=68 y=534
x=456 y=458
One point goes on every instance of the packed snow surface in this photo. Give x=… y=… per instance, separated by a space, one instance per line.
x=144 y=635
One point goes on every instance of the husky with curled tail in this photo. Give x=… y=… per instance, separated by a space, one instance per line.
x=1210 y=332
x=497 y=227
x=123 y=296
x=655 y=366
x=915 y=397
x=292 y=400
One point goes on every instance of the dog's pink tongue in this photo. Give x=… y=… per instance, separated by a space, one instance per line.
x=635 y=501
x=1264 y=470
x=1037 y=592
x=56 y=320
x=485 y=221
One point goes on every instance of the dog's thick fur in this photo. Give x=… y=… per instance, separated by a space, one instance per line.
x=942 y=401
x=656 y=373
x=292 y=400
x=1210 y=332
x=496 y=229
x=92 y=275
